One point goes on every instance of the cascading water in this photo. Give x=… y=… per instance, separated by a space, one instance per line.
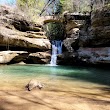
x=54 y=9
x=56 y=49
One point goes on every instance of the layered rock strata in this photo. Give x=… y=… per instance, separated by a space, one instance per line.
x=18 y=33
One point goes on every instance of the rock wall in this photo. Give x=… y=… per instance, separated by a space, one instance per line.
x=93 y=41
x=98 y=35
x=18 y=33
x=96 y=46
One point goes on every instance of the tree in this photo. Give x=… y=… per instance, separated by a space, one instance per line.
x=32 y=8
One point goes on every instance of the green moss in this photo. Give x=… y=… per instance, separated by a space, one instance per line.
x=55 y=31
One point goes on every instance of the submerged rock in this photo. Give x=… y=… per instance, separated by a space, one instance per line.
x=34 y=84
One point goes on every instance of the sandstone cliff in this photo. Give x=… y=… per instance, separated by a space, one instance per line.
x=89 y=43
x=18 y=33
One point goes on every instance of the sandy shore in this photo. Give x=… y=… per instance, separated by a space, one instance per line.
x=56 y=97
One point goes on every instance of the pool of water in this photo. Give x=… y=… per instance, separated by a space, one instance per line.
x=66 y=88
x=17 y=76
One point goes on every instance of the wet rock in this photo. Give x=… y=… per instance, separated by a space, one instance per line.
x=34 y=84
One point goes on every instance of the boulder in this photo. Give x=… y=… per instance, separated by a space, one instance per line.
x=34 y=84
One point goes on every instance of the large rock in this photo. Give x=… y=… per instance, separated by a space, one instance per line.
x=94 y=55
x=39 y=58
x=16 y=39
x=8 y=57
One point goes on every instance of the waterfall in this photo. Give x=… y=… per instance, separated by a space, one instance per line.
x=56 y=49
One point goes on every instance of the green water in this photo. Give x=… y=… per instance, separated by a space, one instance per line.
x=65 y=73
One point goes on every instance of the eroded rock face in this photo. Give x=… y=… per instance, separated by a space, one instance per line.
x=18 y=33
x=23 y=57
x=93 y=40
x=70 y=25
x=72 y=39
x=16 y=38
x=101 y=27
x=94 y=55
x=13 y=17
x=7 y=57
x=98 y=35
x=39 y=58
x=72 y=36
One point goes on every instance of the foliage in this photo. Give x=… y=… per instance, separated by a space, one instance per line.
x=55 y=31
x=99 y=4
x=83 y=5
x=76 y=5
x=32 y=8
